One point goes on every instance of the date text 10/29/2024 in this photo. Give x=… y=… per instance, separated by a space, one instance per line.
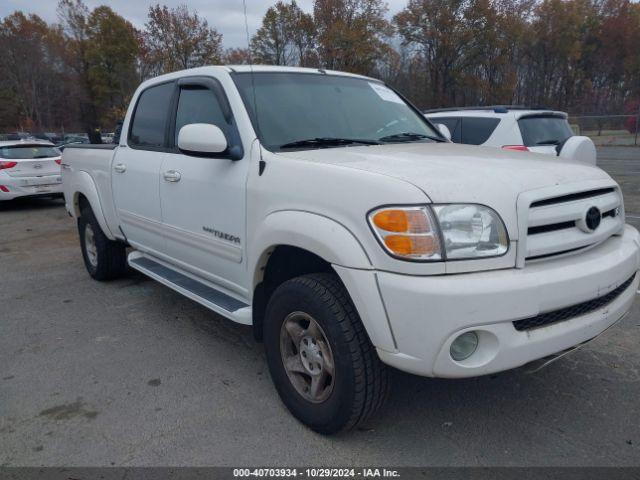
x=316 y=472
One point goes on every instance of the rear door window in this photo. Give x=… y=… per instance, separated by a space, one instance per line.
x=544 y=130
x=477 y=130
x=149 y=122
x=452 y=123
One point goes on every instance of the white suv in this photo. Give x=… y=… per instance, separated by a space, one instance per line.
x=514 y=128
x=29 y=168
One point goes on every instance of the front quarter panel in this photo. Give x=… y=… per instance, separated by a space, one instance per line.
x=342 y=196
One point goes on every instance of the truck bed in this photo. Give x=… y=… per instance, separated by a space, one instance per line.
x=87 y=168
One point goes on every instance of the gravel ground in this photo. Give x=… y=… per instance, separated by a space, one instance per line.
x=131 y=373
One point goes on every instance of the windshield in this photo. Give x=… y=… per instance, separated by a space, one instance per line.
x=27 y=152
x=544 y=130
x=302 y=110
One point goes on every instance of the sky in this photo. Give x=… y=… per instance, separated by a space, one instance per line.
x=227 y=16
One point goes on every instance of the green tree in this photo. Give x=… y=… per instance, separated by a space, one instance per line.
x=100 y=51
x=112 y=50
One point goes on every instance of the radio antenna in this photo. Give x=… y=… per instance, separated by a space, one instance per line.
x=253 y=83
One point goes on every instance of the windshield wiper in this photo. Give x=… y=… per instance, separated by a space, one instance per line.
x=328 y=142
x=410 y=137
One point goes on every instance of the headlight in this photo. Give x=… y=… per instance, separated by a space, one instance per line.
x=471 y=231
x=440 y=232
x=407 y=232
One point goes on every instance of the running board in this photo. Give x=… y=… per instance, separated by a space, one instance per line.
x=196 y=290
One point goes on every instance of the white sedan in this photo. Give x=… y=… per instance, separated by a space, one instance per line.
x=29 y=167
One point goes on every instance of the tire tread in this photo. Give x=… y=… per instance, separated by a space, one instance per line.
x=112 y=255
x=372 y=377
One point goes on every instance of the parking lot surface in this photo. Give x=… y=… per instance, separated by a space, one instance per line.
x=131 y=373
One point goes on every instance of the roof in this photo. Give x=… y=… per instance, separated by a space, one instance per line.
x=493 y=110
x=250 y=68
x=286 y=69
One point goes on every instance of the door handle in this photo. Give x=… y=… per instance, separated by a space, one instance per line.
x=120 y=167
x=172 y=176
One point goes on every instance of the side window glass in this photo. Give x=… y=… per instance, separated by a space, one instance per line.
x=477 y=130
x=452 y=123
x=199 y=105
x=150 y=118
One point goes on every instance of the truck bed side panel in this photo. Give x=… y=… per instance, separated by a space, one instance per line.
x=87 y=171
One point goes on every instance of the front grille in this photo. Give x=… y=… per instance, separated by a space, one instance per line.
x=573 y=311
x=573 y=196
x=554 y=226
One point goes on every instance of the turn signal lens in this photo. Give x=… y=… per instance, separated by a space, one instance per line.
x=407 y=232
x=391 y=220
x=405 y=221
x=408 y=245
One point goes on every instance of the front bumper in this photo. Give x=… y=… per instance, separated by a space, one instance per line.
x=29 y=186
x=426 y=314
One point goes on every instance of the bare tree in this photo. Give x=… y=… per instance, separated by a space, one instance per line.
x=287 y=36
x=177 y=39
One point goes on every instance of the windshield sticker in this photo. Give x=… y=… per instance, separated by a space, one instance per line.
x=385 y=93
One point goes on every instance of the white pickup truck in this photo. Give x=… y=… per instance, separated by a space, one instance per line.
x=326 y=211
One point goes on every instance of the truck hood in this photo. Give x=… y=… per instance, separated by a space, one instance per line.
x=449 y=173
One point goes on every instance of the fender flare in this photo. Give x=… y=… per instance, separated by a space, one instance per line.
x=83 y=184
x=313 y=232
x=337 y=245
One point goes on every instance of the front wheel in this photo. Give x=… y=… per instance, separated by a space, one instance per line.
x=321 y=360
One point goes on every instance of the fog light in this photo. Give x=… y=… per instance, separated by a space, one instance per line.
x=464 y=346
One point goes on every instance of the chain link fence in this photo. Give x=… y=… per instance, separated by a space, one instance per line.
x=604 y=130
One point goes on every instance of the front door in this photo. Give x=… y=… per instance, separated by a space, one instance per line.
x=203 y=197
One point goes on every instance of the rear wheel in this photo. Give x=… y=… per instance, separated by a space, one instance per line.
x=321 y=360
x=104 y=259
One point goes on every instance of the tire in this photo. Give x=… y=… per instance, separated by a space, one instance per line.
x=360 y=382
x=104 y=259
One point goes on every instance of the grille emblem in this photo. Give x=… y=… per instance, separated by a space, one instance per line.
x=592 y=219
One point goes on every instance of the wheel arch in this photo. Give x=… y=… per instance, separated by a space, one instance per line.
x=84 y=190
x=314 y=233
x=293 y=243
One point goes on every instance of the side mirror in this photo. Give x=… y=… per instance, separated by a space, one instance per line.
x=444 y=130
x=580 y=149
x=201 y=138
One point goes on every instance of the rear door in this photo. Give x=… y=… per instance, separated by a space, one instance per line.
x=543 y=133
x=135 y=174
x=204 y=197
x=31 y=160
